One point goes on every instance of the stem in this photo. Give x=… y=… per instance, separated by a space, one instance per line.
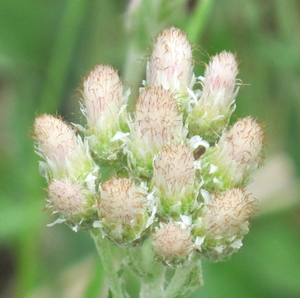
x=156 y=287
x=104 y=250
x=151 y=274
x=198 y=20
x=179 y=280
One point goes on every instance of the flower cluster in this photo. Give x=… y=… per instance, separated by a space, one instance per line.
x=177 y=170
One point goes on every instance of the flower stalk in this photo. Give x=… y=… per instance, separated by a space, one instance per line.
x=104 y=250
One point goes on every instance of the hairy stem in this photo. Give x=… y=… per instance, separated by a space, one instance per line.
x=104 y=249
x=185 y=280
x=154 y=289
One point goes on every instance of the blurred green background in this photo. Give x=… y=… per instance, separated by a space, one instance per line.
x=47 y=47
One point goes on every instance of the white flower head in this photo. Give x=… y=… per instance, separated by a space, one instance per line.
x=174 y=174
x=104 y=105
x=124 y=210
x=212 y=112
x=66 y=198
x=55 y=138
x=242 y=144
x=171 y=63
x=73 y=202
x=228 y=214
x=172 y=244
x=65 y=153
x=237 y=153
x=220 y=81
x=157 y=121
x=103 y=96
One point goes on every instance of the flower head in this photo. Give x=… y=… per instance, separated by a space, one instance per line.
x=219 y=82
x=103 y=96
x=104 y=106
x=229 y=163
x=243 y=143
x=172 y=244
x=124 y=210
x=55 y=138
x=228 y=213
x=66 y=197
x=171 y=63
x=215 y=106
x=157 y=122
x=174 y=176
x=225 y=222
x=65 y=155
x=73 y=202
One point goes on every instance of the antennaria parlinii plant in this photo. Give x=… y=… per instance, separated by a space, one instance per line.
x=178 y=170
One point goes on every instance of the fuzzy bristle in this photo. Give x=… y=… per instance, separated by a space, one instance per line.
x=171 y=63
x=102 y=93
x=174 y=171
x=244 y=142
x=122 y=201
x=66 y=198
x=171 y=241
x=220 y=79
x=228 y=212
x=157 y=119
x=54 y=137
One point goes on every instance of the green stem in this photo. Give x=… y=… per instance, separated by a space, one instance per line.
x=155 y=288
x=198 y=20
x=150 y=273
x=104 y=249
x=62 y=55
x=182 y=279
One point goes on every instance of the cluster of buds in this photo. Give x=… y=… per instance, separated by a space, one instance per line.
x=177 y=170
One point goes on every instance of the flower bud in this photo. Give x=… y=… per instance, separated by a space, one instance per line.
x=229 y=163
x=228 y=213
x=171 y=63
x=172 y=244
x=105 y=108
x=73 y=202
x=171 y=66
x=215 y=106
x=55 y=138
x=65 y=153
x=225 y=221
x=102 y=95
x=219 y=81
x=173 y=179
x=243 y=143
x=157 y=123
x=124 y=210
